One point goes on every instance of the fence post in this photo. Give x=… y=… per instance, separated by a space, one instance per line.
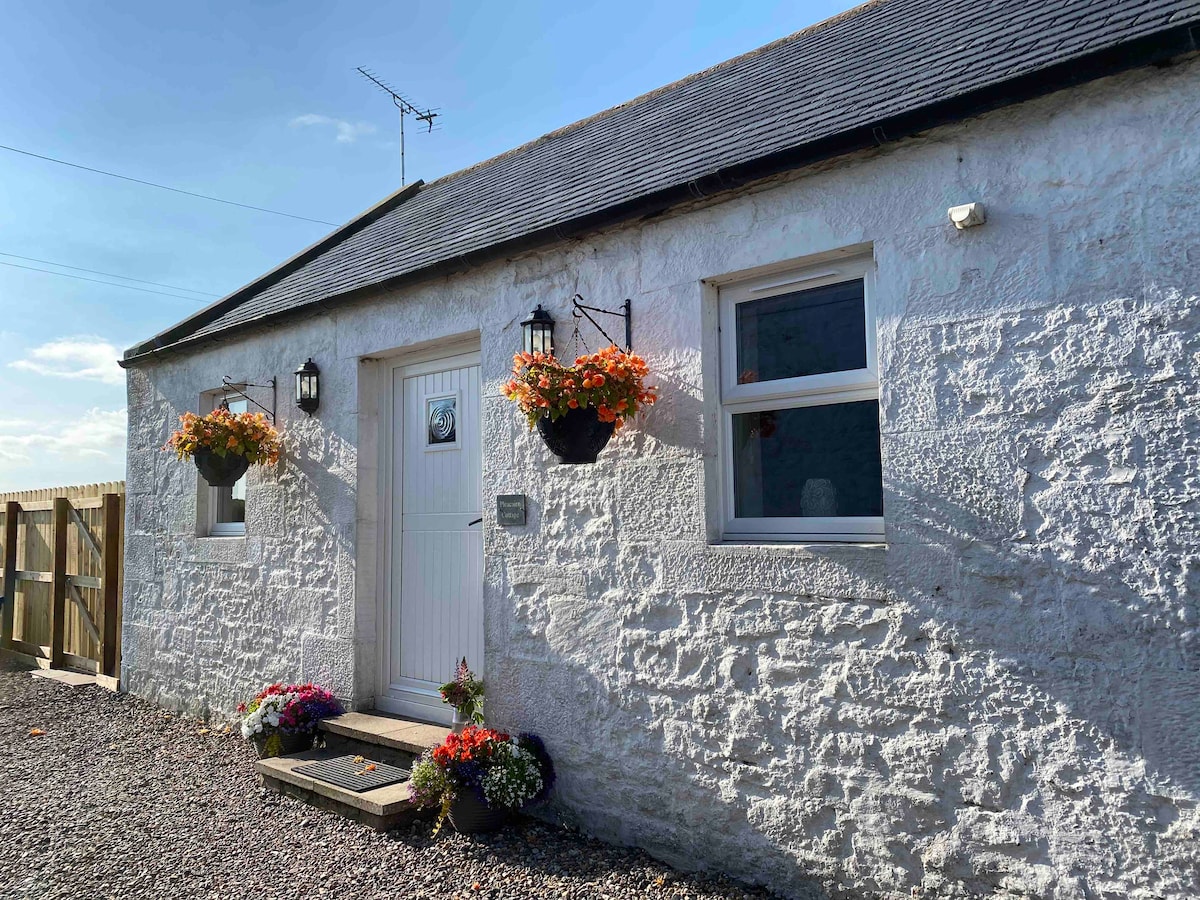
x=12 y=515
x=111 y=585
x=58 y=600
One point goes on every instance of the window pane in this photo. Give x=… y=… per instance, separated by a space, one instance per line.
x=802 y=333
x=231 y=502
x=808 y=461
x=232 y=506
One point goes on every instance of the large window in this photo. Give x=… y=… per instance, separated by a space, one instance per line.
x=800 y=406
x=226 y=506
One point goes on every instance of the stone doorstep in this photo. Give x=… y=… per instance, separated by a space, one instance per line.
x=386 y=731
x=64 y=676
x=72 y=678
x=381 y=808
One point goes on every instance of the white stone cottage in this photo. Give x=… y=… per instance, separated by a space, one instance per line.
x=915 y=606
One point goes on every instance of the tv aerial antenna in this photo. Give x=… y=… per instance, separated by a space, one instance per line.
x=425 y=116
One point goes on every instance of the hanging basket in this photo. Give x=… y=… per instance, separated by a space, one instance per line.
x=220 y=471
x=470 y=815
x=577 y=437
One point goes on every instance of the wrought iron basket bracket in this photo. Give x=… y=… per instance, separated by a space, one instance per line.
x=229 y=386
x=580 y=311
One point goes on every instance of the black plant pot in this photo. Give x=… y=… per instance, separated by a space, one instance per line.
x=220 y=471
x=469 y=815
x=577 y=437
x=288 y=744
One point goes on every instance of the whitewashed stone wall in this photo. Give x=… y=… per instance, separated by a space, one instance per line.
x=1003 y=700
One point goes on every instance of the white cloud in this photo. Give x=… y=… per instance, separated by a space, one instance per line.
x=84 y=358
x=347 y=132
x=99 y=433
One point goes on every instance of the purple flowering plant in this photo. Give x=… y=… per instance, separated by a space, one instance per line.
x=465 y=693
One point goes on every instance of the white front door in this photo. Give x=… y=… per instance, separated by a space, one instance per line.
x=434 y=613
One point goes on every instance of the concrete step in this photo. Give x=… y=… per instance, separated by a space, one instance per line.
x=377 y=737
x=381 y=808
x=380 y=736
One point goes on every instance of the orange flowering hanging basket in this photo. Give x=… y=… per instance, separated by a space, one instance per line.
x=577 y=408
x=225 y=444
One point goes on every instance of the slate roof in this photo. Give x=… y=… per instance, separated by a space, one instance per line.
x=880 y=71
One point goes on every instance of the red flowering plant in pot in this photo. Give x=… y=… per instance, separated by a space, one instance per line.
x=578 y=408
x=225 y=444
x=479 y=778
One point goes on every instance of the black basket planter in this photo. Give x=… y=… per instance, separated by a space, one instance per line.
x=470 y=815
x=220 y=471
x=288 y=744
x=577 y=437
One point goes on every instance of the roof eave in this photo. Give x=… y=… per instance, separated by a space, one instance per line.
x=180 y=330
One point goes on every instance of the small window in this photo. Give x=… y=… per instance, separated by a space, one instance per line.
x=226 y=505
x=800 y=407
x=441 y=422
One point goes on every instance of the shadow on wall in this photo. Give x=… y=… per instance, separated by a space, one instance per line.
x=211 y=622
x=1004 y=699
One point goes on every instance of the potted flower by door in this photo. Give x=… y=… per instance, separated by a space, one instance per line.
x=479 y=778
x=577 y=408
x=225 y=444
x=465 y=694
x=282 y=718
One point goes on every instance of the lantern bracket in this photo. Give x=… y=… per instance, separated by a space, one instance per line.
x=580 y=311
x=229 y=386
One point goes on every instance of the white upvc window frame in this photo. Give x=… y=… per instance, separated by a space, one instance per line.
x=211 y=505
x=791 y=393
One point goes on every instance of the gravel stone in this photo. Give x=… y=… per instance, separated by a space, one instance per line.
x=121 y=800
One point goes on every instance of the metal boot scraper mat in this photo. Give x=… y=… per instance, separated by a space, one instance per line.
x=346 y=773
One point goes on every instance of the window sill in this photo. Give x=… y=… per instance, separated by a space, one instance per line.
x=803 y=546
x=845 y=571
x=211 y=549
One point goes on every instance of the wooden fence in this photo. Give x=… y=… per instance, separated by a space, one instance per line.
x=62 y=550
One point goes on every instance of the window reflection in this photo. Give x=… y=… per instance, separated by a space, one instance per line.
x=802 y=333
x=811 y=461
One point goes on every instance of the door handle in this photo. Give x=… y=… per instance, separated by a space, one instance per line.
x=476 y=522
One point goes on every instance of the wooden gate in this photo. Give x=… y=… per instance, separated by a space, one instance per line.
x=62 y=550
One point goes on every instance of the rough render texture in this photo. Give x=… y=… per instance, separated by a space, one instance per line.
x=1001 y=700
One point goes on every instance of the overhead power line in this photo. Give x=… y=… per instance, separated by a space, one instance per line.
x=50 y=262
x=163 y=187
x=127 y=287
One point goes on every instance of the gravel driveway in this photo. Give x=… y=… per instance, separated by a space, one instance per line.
x=119 y=799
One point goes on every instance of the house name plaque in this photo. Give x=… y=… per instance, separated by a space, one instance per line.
x=510 y=509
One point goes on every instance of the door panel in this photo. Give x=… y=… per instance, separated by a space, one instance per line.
x=435 y=614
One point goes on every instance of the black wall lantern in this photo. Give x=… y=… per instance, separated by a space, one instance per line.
x=537 y=332
x=308 y=387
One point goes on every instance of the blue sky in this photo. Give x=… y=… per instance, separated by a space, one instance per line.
x=259 y=103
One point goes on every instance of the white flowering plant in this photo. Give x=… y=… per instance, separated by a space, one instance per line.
x=281 y=710
x=501 y=771
x=514 y=778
